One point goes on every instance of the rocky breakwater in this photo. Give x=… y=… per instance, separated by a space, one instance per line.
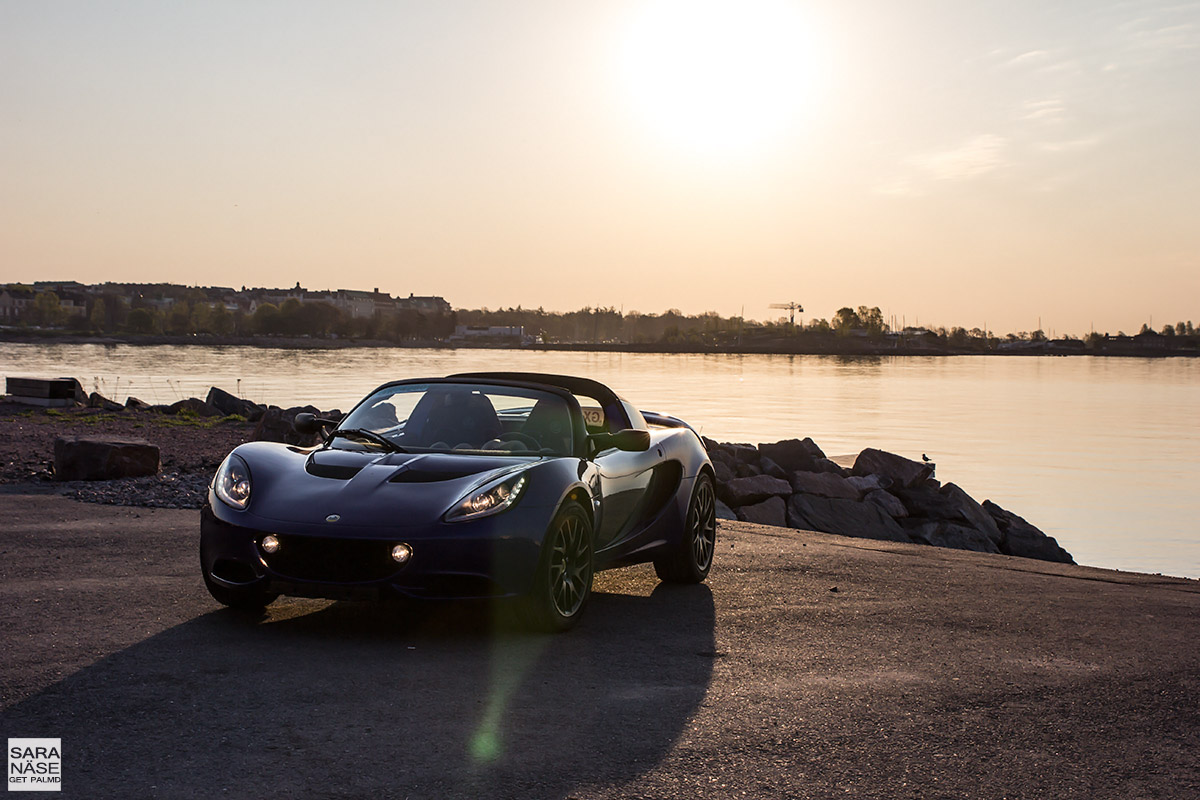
x=883 y=496
x=112 y=468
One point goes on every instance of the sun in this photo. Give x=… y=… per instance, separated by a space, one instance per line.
x=716 y=77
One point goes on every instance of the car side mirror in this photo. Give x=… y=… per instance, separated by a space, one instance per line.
x=630 y=440
x=307 y=423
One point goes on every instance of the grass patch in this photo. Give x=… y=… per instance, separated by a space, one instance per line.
x=193 y=420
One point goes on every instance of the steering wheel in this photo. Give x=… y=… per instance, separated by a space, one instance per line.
x=523 y=438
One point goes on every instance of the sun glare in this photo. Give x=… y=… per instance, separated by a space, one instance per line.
x=720 y=78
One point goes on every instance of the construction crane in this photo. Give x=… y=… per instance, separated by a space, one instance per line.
x=792 y=309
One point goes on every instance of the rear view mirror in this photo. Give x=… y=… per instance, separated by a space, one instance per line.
x=630 y=440
x=307 y=423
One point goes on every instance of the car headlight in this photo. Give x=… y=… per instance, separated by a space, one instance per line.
x=491 y=498
x=232 y=483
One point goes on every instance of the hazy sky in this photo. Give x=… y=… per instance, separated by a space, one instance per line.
x=956 y=162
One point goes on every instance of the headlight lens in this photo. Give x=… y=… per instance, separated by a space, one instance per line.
x=490 y=499
x=232 y=483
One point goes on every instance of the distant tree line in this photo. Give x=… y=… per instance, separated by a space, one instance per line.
x=195 y=314
x=192 y=312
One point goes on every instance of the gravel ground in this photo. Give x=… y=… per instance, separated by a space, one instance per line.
x=190 y=449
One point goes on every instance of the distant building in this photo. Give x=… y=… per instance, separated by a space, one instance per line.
x=489 y=332
x=13 y=303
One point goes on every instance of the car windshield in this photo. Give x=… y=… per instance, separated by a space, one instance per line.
x=468 y=418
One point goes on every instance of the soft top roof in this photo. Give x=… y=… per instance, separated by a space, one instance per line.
x=582 y=386
x=614 y=409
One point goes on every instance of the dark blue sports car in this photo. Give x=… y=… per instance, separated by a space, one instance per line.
x=484 y=485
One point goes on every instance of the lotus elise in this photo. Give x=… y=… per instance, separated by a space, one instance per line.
x=473 y=486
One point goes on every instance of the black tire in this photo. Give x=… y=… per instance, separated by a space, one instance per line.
x=691 y=558
x=250 y=598
x=563 y=584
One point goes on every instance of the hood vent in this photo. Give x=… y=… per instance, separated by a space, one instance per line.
x=430 y=475
x=339 y=472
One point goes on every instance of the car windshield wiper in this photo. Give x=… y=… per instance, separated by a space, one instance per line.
x=370 y=436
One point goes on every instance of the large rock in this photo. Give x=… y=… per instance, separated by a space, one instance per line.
x=888 y=502
x=722 y=472
x=791 y=454
x=769 y=467
x=103 y=459
x=97 y=400
x=754 y=489
x=228 y=404
x=845 y=517
x=974 y=513
x=923 y=502
x=1025 y=540
x=824 y=484
x=724 y=512
x=903 y=471
x=772 y=511
x=941 y=533
x=276 y=425
x=720 y=455
x=192 y=405
x=869 y=483
x=743 y=453
x=826 y=465
x=747 y=470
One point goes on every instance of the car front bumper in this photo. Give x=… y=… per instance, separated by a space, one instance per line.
x=491 y=557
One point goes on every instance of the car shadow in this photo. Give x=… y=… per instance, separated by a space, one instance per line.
x=357 y=700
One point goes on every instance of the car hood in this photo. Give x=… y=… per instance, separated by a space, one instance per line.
x=365 y=489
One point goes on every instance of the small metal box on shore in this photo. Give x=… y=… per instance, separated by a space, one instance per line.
x=49 y=392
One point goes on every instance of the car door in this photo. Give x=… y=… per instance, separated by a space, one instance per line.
x=624 y=479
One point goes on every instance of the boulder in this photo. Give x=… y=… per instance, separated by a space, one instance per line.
x=754 y=489
x=791 y=454
x=276 y=425
x=722 y=472
x=1025 y=540
x=192 y=405
x=743 y=453
x=903 y=471
x=808 y=444
x=832 y=467
x=722 y=456
x=103 y=459
x=869 y=483
x=941 y=533
x=974 y=513
x=228 y=404
x=845 y=517
x=746 y=470
x=824 y=484
x=724 y=512
x=927 y=503
x=772 y=511
x=134 y=404
x=769 y=467
x=97 y=400
x=888 y=502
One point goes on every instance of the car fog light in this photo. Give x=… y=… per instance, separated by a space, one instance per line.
x=270 y=544
x=401 y=553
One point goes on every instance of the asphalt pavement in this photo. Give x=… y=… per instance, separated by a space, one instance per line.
x=808 y=666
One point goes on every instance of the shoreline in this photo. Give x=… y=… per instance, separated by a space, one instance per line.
x=847 y=348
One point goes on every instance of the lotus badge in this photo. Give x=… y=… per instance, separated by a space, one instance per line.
x=333 y=518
